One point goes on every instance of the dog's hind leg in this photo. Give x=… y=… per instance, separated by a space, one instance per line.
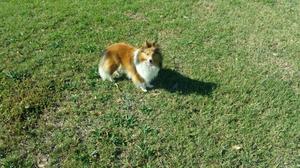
x=119 y=72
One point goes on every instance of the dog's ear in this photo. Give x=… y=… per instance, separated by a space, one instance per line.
x=155 y=44
x=147 y=44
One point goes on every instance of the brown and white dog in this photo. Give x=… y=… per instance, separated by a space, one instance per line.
x=140 y=64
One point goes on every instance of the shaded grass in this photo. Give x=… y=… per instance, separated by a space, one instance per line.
x=228 y=95
x=173 y=81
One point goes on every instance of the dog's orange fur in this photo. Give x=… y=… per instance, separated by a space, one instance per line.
x=121 y=54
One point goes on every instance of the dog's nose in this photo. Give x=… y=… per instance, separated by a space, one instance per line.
x=150 y=60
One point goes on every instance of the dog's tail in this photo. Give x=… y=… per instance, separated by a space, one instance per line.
x=102 y=55
x=103 y=73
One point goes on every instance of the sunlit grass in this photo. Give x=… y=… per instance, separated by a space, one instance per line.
x=228 y=94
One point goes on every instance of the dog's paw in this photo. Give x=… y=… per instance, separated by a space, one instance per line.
x=142 y=86
x=144 y=89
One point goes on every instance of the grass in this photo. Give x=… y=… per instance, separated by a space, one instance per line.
x=228 y=95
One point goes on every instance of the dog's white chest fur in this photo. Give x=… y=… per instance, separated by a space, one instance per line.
x=147 y=72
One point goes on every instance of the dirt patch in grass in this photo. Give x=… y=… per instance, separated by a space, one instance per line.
x=136 y=16
x=285 y=67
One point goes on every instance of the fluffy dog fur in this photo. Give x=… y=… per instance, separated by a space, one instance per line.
x=140 y=64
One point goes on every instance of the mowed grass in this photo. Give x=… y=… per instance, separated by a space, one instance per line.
x=229 y=94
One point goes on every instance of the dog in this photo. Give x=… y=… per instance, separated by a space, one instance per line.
x=140 y=64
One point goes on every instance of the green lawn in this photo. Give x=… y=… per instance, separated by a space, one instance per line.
x=228 y=96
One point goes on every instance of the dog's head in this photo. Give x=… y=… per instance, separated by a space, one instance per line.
x=151 y=54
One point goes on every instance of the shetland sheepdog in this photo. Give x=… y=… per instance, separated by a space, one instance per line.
x=140 y=64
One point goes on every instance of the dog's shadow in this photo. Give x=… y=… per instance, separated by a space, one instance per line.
x=173 y=81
